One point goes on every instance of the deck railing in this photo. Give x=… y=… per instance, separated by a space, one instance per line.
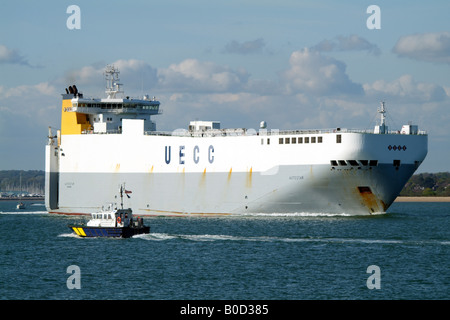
x=251 y=132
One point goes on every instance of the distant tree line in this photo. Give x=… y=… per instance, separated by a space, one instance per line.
x=31 y=181
x=428 y=185
x=423 y=184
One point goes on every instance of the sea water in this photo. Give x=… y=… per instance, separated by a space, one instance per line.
x=403 y=254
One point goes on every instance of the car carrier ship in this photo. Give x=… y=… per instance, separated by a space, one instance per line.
x=208 y=170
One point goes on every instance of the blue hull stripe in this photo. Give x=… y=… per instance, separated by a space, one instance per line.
x=102 y=232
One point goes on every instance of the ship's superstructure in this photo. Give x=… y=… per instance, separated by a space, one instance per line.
x=209 y=170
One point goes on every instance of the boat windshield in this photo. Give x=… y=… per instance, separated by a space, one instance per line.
x=104 y=216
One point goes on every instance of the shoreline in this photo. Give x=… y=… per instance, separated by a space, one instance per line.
x=422 y=199
x=23 y=199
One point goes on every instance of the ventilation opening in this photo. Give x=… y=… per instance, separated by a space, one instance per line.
x=364 y=190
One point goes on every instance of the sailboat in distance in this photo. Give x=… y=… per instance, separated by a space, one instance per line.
x=20 y=205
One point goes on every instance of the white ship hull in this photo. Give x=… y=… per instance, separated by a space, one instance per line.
x=179 y=175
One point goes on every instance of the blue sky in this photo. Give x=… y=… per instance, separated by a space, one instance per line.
x=294 y=64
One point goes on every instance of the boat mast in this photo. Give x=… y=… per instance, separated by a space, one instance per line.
x=121 y=196
x=382 y=111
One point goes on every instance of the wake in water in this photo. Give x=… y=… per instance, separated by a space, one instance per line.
x=297 y=214
x=69 y=235
x=21 y=212
x=211 y=237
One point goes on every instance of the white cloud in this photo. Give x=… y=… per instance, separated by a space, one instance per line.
x=247 y=47
x=311 y=72
x=192 y=75
x=34 y=104
x=135 y=75
x=406 y=89
x=43 y=88
x=347 y=43
x=314 y=92
x=11 y=56
x=432 y=47
x=88 y=75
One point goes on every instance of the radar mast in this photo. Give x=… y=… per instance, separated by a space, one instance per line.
x=112 y=81
x=382 y=128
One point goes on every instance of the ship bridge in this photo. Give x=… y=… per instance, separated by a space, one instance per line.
x=88 y=115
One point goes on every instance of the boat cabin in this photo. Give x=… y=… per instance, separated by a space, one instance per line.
x=114 y=218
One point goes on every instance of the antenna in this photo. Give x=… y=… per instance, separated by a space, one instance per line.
x=382 y=112
x=112 y=81
x=382 y=128
x=122 y=187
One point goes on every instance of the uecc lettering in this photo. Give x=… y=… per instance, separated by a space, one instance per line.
x=197 y=154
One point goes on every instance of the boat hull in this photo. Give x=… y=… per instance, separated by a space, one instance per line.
x=115 y=232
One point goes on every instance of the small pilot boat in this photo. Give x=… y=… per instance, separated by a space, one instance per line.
x=112 y=223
